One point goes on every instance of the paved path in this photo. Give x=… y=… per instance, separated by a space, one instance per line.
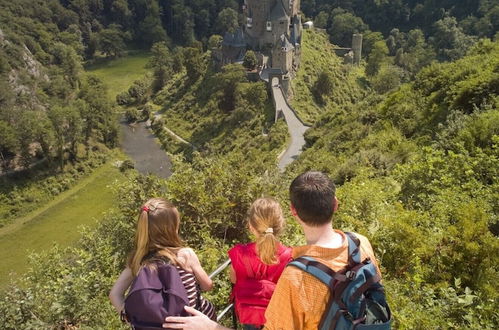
x=296 y=128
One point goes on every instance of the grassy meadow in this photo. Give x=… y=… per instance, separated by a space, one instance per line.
x=58 y=221
x=118 y=74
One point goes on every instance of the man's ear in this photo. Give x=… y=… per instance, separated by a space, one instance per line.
x=293 y=210
x=336 y=204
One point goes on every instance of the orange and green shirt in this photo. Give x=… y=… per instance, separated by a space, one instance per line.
x=300 y=299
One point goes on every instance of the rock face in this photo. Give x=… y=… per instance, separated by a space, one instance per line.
x=24 y=78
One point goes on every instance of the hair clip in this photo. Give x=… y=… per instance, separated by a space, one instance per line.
x=269 y=231
x=145 y=208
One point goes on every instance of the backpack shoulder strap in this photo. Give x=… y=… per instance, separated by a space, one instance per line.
x=325 y=274
x=353 y=249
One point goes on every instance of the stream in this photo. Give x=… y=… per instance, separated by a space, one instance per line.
x=140 y=144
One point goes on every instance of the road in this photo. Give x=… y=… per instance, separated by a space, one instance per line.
x=296 y=128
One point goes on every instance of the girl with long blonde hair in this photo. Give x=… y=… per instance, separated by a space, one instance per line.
x=157 y=240
x=256 y=266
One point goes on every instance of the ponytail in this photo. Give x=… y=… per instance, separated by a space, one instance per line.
x=266 y=245
x=265 y=216
x=141 y=243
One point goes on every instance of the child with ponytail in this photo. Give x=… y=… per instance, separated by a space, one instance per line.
x=256 y=267
x=157 y=241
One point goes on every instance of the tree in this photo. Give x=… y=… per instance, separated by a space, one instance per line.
x=100 y=116
x=183 y=24
x=9 y=143
x=376 y=58
x=215 y=41
x=161 y=63
x=228 y=80
x=69 y=62
x=227 y=21
x=193 y=62
x=388 y=78
x=150 y=29
x=120 y=12
x=250 y=61
x=323 y=85
x=322 y=20
x=112 y=41
x=368 y=40
x=36 y=127
x=67 y=127
x=343 y=26
x=450 y=40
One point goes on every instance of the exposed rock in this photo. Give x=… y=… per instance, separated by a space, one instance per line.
x=32 y=66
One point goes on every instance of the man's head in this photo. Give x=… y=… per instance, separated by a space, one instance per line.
x=312 y=196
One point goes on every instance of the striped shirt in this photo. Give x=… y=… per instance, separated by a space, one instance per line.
x=196 y=300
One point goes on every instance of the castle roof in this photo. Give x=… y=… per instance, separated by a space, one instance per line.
x=278 y=13
x=295 y=34
x=235 y=39
x=284 y=44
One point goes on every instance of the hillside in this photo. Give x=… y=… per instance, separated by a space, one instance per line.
x=348 y=85
x=221 y=112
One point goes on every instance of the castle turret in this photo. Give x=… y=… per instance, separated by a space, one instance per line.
x=357 y=47
x=282 y=55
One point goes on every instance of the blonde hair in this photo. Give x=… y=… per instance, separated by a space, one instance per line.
x=156 y=235
x=265 y=216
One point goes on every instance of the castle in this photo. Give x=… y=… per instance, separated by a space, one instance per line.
x=273 y=30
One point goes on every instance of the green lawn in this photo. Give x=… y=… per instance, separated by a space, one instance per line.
x=58 y=221
x=119 y=74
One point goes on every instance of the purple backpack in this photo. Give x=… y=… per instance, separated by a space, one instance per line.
x=156 y=292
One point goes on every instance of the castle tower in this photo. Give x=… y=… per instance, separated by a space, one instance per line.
x=357 y=47
x=282 y=55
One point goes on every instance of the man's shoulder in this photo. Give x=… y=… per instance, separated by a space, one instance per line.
x=293 y=275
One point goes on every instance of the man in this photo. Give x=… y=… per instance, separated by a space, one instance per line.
x=300 y=299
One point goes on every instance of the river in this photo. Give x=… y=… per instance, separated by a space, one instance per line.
x=140 y=144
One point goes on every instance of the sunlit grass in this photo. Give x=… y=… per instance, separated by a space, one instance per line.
x=317 y=55
x=59 y=220
x=118 y=74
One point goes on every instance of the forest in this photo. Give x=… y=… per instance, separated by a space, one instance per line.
x=410 y=137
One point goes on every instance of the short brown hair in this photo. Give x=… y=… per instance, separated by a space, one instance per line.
x=312 y=195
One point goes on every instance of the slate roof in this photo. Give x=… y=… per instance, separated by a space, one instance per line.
x=235 y=39
x=278 y=13
x=285 y=44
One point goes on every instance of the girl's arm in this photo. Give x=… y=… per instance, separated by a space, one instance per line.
x=192 y=264
x=117 y=293
x=232 y=275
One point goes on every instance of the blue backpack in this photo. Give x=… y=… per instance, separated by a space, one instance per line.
x=357 y=298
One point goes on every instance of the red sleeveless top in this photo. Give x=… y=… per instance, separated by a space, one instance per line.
x=255 y=281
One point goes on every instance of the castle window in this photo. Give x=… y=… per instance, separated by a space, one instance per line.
x=269 y=26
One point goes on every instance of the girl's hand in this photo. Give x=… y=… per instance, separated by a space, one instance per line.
x=192 y=264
